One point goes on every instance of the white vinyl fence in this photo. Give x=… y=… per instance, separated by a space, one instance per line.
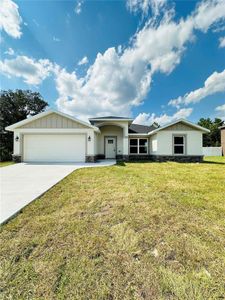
x=212 y=151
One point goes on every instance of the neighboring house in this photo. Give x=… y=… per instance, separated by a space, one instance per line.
x=222 y=130
x=53 y=136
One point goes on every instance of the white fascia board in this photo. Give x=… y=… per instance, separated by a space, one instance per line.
x=112 y=120
x=138 y=134
x=53 y=130
x=46 y=113
x=180 y=121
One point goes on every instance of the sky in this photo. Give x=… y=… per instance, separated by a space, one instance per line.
x=152 y=60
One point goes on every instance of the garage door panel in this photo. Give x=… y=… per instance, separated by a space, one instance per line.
x=54 y=148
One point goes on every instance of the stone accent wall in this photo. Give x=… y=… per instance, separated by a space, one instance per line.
x=139 y=157
x=100 y=156
x=133 y=157
x=121 y=157
x=185 y=158
x=223 y=140
x=160 y=158
x=16 y=158
x=90 y=158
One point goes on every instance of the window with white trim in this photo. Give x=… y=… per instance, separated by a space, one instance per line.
x=179 y=144
x=138 y=146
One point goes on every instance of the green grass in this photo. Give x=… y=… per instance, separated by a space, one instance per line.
x=215 y=159
x=132 y=231
x=6 y=163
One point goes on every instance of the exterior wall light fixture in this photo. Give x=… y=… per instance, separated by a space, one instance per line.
x=89 y=138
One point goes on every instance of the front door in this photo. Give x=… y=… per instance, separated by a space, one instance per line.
x=110 y=147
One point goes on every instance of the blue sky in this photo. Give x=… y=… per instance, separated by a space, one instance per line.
x=153 y=60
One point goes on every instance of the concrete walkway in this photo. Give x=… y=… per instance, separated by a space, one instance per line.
x=22 y=183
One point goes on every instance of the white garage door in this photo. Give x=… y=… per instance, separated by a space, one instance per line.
x=54 y=148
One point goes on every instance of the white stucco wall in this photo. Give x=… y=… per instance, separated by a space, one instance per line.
x=162 y=142
x=153 y=144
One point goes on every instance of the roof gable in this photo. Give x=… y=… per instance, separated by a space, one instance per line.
x=50 y=119
x=182 y=125
x=53 y=120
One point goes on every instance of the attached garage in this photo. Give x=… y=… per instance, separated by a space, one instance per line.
x=53 y=148
x=53 y=136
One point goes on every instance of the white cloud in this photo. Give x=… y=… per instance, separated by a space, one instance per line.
x=208 y=13
x=148 y=119
x=78 y=7
x=215 y=83
x=144 y=6
x=109 y=87
x=10 y=19
x=219 y=29
x=222 y=42
x=83 y=61
x=55 y=39
x=31 y=71
x=10 y=51
x=221 y=111
x=119 y=80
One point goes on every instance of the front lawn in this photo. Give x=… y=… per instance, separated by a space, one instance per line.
x=218 y=159
x=130 y=231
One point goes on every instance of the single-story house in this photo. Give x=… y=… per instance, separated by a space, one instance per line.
x=222 y=131
x=53 y=136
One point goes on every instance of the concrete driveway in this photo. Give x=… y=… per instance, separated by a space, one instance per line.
x=22 y=183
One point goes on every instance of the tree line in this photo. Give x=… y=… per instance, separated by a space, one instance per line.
x=17 y=105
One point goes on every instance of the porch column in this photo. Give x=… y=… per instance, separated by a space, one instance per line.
x=90 y=142
x=17 y=146
x=90 y=155
x=125 y=141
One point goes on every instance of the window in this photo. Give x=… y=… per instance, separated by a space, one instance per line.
x=110 y=141
x=133 y=146
x=138 y=146
x=143 y=146
x=179 y=144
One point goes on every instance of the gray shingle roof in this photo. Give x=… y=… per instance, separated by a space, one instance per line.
x=136 y=128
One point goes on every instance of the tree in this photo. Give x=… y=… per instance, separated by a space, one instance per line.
x=14 y=107
x=211 y=139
